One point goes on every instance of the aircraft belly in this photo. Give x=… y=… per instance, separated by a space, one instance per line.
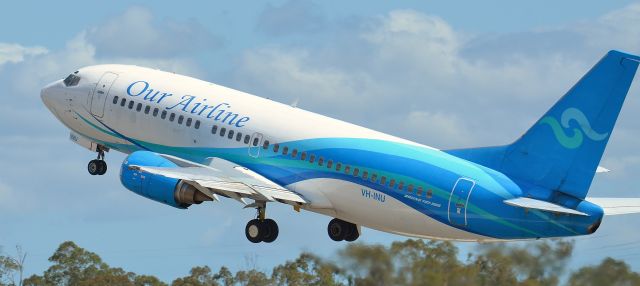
x=373 y=209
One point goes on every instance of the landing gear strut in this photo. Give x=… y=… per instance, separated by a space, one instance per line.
x=340 y=230
x=98 y=166
x=261 y=229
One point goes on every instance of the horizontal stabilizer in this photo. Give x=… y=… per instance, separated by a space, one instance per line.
x=529 y=203
x=617 y=206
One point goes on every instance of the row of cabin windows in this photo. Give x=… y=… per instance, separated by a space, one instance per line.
x=382 y=180
x=232 y=134
x=246 y=138
x=156 y=111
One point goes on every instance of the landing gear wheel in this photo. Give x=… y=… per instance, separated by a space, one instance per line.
x=103 y=167
x=353 y=234
x=340 y=230
x=94 y=167
x=271 y=230
x=254 y=230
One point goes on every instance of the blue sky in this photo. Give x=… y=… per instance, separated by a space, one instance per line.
x=447 y=74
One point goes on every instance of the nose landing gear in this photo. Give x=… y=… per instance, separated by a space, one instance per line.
x=261 y=229
x=98 y=166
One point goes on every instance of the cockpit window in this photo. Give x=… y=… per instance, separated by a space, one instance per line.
x=72 y=80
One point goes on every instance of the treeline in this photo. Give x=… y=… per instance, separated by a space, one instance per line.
x=411 y=262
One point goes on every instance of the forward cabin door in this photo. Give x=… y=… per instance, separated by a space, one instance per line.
x=101 y=92
x=458 y=201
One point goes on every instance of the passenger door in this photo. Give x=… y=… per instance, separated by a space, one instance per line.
x=100 y=93
x=458 y=201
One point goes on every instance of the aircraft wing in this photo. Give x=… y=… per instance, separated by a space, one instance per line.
x=617 y=206
x=222 y=177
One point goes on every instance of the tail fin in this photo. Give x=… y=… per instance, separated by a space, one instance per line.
x=561 y=151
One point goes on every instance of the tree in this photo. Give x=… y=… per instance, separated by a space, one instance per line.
x=73 y=265
x=608 y=272
x=539 y=263
x=307 y=269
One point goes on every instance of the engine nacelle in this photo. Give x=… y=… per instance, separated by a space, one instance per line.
x=173 y=192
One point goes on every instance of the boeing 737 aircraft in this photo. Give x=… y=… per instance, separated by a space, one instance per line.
x=191 y=141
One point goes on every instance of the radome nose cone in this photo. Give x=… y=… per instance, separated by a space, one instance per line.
x=46 y=94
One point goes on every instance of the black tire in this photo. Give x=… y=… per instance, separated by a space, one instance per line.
x=353 y=234
x=337 y=229
x=103 y=167
x=254 y=231
x=93 y=167
x=271 y=230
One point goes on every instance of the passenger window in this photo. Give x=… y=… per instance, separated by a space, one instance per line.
x=276 y=147
x=285 y=149
x=180 y=119
x=320 y=161
x=392 y=183
x=230 y=136
x=139 y=107
x=155 y=112
x=374 y=178
x=147 y=109
x=312 y=158
x=383 y=180
x=410 y=189
x=400 y=185
x=239 y=136
x=355 y=172
x=115 y=99
x=265 y=144
x=197 y=125
x=163 y=115
x=347 y=169
x=172 y=117
x=256 y=141
x=189 y=120
x=365 y=174
x=429 y=194
x=123 y=102
x=329 y=164
x=303 y=156
x=419 y=190
x=246 y=139
x=131 y=103
x=214 y=129
x=223 y=131
x=338 y=166
x=294 y=153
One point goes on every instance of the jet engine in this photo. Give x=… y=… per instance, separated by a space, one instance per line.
x=169 y=191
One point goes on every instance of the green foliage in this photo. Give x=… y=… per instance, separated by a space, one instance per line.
x=74 y=266
x=410 y=262
x=608 y=272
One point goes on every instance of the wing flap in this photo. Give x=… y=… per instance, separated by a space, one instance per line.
x=530 y=203
x=617 y=206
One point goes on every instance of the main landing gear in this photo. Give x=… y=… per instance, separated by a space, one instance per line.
x=261 y=229
x=340 y=230
x=98 y=166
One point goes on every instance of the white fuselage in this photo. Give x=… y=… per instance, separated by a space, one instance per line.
x=101 y=92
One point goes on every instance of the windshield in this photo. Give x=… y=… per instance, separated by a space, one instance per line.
x=72 y=80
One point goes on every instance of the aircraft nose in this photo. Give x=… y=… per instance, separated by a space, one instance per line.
x=47 y=94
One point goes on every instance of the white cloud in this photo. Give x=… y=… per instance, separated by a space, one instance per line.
x=292 y=17
x=135 y=33
x=16 y=53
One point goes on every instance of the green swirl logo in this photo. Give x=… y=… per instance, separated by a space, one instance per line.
x=575 y=139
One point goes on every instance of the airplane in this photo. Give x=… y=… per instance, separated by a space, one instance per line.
x=189 y=141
